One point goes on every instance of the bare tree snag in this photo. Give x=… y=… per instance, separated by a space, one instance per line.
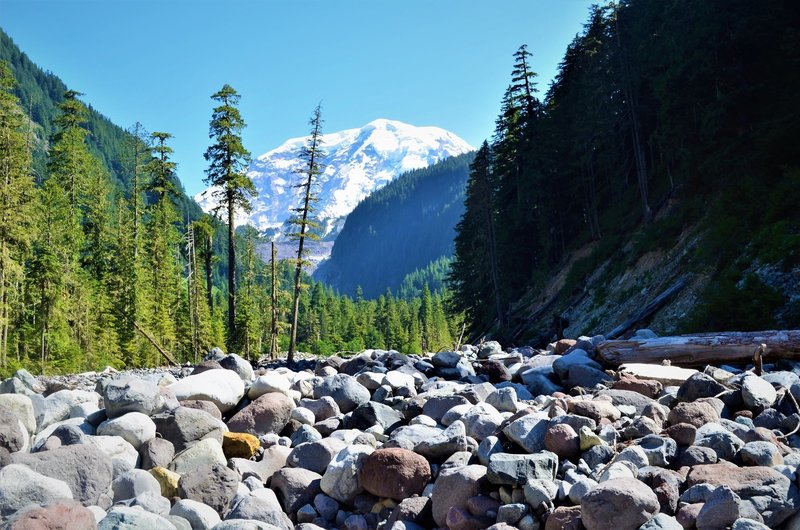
x=699 y=350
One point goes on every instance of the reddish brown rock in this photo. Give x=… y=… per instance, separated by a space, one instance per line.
x=564 y=518
x=696 y=413
x=563 y=441
x=459 y=519
x=682 y=433
x=646 y=387
x=687 y=514
x=267 y=413
x=563 y=345
x=60 y=516
x=618 y=504
x=201 y=404
x=206 y=366
x=394 y=473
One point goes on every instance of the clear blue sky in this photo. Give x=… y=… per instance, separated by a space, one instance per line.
x=425 y=62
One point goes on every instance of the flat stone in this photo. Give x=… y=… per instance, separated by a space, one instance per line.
x=516 y=470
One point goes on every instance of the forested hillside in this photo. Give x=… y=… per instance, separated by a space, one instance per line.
x=398 y=229
x=664 y=149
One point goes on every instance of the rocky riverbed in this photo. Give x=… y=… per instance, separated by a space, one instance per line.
x=479 y=438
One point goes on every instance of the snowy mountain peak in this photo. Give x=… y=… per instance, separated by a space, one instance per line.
x=357 y=162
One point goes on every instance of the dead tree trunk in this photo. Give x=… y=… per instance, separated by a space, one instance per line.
x=699 y=350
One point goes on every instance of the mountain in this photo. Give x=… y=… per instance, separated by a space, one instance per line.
x=398 y=229
x=357 y=162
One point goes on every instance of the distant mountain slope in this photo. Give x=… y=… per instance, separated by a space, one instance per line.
x=40 y=92
x=358 y=161
x=398 y=229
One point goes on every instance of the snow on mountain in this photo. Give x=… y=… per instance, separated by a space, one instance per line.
x=357 y=162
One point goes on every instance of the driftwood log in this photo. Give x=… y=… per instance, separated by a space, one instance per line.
x=700 y=350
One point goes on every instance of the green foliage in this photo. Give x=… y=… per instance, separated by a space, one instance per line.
x=655 y=103
x=398 y=229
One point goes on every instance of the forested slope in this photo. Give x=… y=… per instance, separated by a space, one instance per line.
x=665 y=147
x=404 y=226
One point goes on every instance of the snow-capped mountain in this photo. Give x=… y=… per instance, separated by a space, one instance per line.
x=357 y=162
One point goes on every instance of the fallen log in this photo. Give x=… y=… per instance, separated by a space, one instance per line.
x=700 y=350
x=648 y=310
x=164 y=353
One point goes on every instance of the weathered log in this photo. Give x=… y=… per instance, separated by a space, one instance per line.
x=648 y=310
x=155 y=344
x=703 y=349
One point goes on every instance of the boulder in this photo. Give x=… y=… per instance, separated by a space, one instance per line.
x=453 y=487
x=200 y=516
x=131 y=395
x=134 y=427
x=341 y=478
x=203 y=453
x=214 y=485
x=618 y=504
x=124 y=517
x=344 y=389
x=84 y=468
x=295 y=487
x=222 y=387
x=20 y=486
x=395 y=473
x=185 y=425
x=268 y=413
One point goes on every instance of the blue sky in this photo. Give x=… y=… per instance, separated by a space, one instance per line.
x=442 y=62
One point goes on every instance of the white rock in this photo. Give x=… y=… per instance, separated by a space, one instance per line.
x=22 y=407
x=397 y=379
x=199 y=515
x=116 y=447
x=134 y=427
x=303 y=415
x=340 y=480
x=269 y=382
x=757 y=392
x=20 y=486
x=222 y=387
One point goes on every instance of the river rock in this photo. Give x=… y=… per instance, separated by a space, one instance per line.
x=200 y=516
x=222 y=387
x=134 y=427
x=394 y=473
x=341 y=478
x=344 y=389
x=618 y=504
x=268 y=413
x=453 y=488
x=184 y=425
x=20 y=486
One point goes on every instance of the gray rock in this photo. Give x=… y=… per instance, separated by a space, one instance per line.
x=133 y=483
x=84 y=468
x=720 y=510
x=453 y=488
x=315 y=456
x=150 y=502
x=760 y=453
x=503 y=399
x=660 y=451
x=13 y=435
x=586 y=376
x=757 y=392
x=131 y=395
x=618 y=504
x=511 y=513
x=305 y=434
x=482 y=420
x=698 y=386
x=260 y=508
x=157 y=452
x=662 y=521
x=748 y=524
x=22 y=407
x=696 y=455
x=295 y=487
x=368 y=414
x=241 y=367
x=322 y=408
x=213 y=485
x=126 y=518
x=528 y=432
x=516 y=470
x=56 y=406
x=185 y=425
x=201 y=453
x=20 y=486
x=577 y=357
x=722 y=441
x=326 y=506
x=340 y=480
x=273 y=459
x=489 y=348
x=134 y=427
x=489 y=446
x=267 y=413
x=344 y=389
x=437 y=406
x=200 y=516
x=453 y=439
x=446 y=359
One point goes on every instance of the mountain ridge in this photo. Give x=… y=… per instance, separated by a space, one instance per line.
x=358 y=161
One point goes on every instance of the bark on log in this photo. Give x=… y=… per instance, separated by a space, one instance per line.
x=703 y=349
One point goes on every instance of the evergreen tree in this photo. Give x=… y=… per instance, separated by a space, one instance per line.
x=227 y=173
x=69 y=156
x=16 y=205
x=311 y=155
